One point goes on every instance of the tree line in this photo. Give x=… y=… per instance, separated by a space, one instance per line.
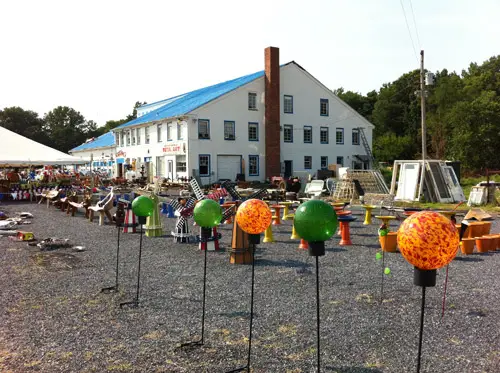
x=463 y=116
x=62 y=128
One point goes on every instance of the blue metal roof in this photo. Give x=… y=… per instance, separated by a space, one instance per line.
x=108 y=139
x=184 y=104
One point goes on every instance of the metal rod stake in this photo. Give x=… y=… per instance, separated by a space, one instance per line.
x=317 y=315
x=422 y=309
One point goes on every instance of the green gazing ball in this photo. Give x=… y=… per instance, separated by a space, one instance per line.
x=387 y=271
x=142 y=206
x=315 y=221
x=207 y=213
x=378 y=256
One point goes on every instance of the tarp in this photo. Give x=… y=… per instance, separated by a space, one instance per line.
x=19 y=151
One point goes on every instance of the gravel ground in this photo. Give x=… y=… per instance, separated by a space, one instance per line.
x=54 y=318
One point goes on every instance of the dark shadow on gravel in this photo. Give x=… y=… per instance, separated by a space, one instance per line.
x=281 y=263
x=365 y=234
x=352 y=370
x=335 y=249
x=468 y=259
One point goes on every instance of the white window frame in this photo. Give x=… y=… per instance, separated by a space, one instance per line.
x=146 y=135
x=308 y=158
x=288 y=128
x=230 y=135
x=158 y=132
x=252 y=100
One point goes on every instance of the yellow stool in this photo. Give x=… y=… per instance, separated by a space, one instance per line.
x=294 y=235
x=268 y=236
x=368 y=215
x=286 y=215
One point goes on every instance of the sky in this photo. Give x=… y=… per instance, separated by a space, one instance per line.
x=101 y=56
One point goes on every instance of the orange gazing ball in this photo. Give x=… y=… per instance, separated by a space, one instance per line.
x=253 y=216
x=428 y=240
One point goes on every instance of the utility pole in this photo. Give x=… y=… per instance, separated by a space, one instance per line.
x=422 y=106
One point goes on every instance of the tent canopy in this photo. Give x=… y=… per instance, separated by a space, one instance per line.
x=19 y=151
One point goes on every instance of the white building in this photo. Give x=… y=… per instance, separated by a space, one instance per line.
x=99 y=152
x=277 y=121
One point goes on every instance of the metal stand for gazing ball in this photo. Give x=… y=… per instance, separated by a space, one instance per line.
x=254 y=239
x=206 y=234
x=424 y=279
x=114 y=288
x=135 y=303
x=119 y=219
x=317 y=249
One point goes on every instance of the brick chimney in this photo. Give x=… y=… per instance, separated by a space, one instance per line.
x=272 y=114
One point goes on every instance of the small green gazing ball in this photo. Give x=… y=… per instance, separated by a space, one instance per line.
x=142 y=206
x=387 y=271
x=315 y=221
x=207 y=213
x=378 y=256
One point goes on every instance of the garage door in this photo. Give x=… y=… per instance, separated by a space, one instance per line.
x=228 y=166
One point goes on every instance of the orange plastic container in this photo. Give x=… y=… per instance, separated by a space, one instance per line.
x=389 y=243
x=467 y=245
x=484 y=244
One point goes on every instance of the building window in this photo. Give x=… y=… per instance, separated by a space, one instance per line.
x=340 y=161
x=180 y=165
x=324 y=162
x=180 y=135
x=323 y=135
x=160 y=166
x=158 y=132
x=252 y=101
x=146 y=135
x=288 y=104
x=355 y=136
x=122 y=136
x=308 y=162
x=138 y=136
x=204 y=129
x=229 y=130
x=117 y=138
x=288 y=133
x=133 y=136
x=339 y=136
x=169 y=132
x=323 y=107
x=253 y=132
x=308 y=134
x=128 y=138
x=204 y=164
x=253 y=165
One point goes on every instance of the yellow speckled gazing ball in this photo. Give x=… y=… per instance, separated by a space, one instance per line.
x=254 y=216
x=428 y=240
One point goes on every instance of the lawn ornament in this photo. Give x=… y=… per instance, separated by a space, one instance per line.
x=316 y=222
x=253 y=216
x=428 y=241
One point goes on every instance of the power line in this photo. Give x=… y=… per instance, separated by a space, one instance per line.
x=415 y=23
x=409 y=31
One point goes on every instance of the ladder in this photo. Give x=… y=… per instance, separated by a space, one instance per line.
x=368 y=150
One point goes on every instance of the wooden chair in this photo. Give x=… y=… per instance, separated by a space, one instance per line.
x=74 y=206
x=103 y=208
x=49 y=196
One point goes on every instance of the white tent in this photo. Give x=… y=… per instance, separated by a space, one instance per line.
x=19 y=151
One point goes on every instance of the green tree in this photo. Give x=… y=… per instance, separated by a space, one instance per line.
x=442 y=98
x=389 y=147
x=67 y=128
x=24 y=122
x=476 y=132
x=362 y=104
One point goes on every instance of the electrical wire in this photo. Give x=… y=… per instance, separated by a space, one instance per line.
x=409 y=31
x=415 y=23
